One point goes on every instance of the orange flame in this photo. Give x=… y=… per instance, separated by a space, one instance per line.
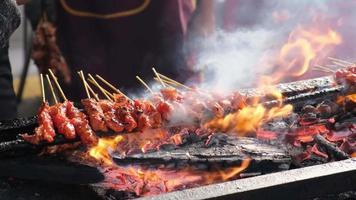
x=342 y=99
x=305 y=46
x=353 y=155
x=248 y=119
x=102 y=150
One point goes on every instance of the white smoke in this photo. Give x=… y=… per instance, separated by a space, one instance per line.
x=231 y=60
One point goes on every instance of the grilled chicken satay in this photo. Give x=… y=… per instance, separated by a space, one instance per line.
x=45 y=131
x=95 y=114
x=347 y=75
x=142 y=111
x=124 y=113
x=110 y=118
x=64 y=126
x=81 y=125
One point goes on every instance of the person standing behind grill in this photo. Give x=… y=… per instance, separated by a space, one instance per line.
x=122 y=39
x=9 y=20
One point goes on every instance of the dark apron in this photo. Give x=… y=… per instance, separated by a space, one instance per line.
x=8 y=105
x=121 y=48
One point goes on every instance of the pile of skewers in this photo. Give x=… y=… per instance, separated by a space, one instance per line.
x=117 y=113
x=120 y=114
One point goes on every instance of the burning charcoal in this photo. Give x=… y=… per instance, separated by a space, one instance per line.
x=334 y=106
x=343 y=125
x=331 y=148
x=308 y=118
x=324 y=110
x=167 y=147
x=216 y=140
x=202 y=166
x=309 y=109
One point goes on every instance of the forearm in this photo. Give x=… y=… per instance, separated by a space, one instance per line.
x=9 y=20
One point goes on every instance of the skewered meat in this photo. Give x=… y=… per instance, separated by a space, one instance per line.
x=165 y=109
x=347 y=75
x=171 y=94
x=46 y=52
x=45 y=131
x=96 y=114
x=81 y=125
x=125 y=116
x=58 y=113
x=110 y=117
x=120 y=100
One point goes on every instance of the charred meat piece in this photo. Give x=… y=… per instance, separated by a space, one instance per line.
x=95 y=114
x=164 y=108
x=124 y=113
x=81 y=125
x=64 y=126
x=111 y=120
x=346 y=75
x=171 y=94
x=45 y=131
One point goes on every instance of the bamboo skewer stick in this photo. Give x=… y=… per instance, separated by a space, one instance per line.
x=105 y=91
x=174 y=81
x=98 y=86
x=339 y=64
x=57 y=84
x=145 y=84
x=84 y=83
x=88 y=86
x=324 y=68
x=158 y=77
x=108 y=84
x=168 y=83
x=52 y=90
x=42 y=89
x=112 y=87
x=340 y=60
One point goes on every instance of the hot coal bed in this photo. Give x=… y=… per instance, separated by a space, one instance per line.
x=305 y=155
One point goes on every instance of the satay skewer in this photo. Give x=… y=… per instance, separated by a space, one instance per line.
x=174 y=81
x=52 y=90
x=42 y=89
x=81 y=74
x=105 y=92
x=324 y=68
x=340 y=60
x=91 y=78
x=339 y=64
x=158 y=77
x=144 y=84
x=169 y=83
x=112 y=86
x=85 y=85
x=57 y=84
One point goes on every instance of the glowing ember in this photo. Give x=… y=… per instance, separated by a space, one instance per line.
x=353 y=155
x=145 y=182
x=102 y=150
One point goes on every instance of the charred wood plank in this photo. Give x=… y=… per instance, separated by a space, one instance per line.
x=295 y=88
x=311 y=98
x=232 y=151
x=53 y=169
x=331 y=148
